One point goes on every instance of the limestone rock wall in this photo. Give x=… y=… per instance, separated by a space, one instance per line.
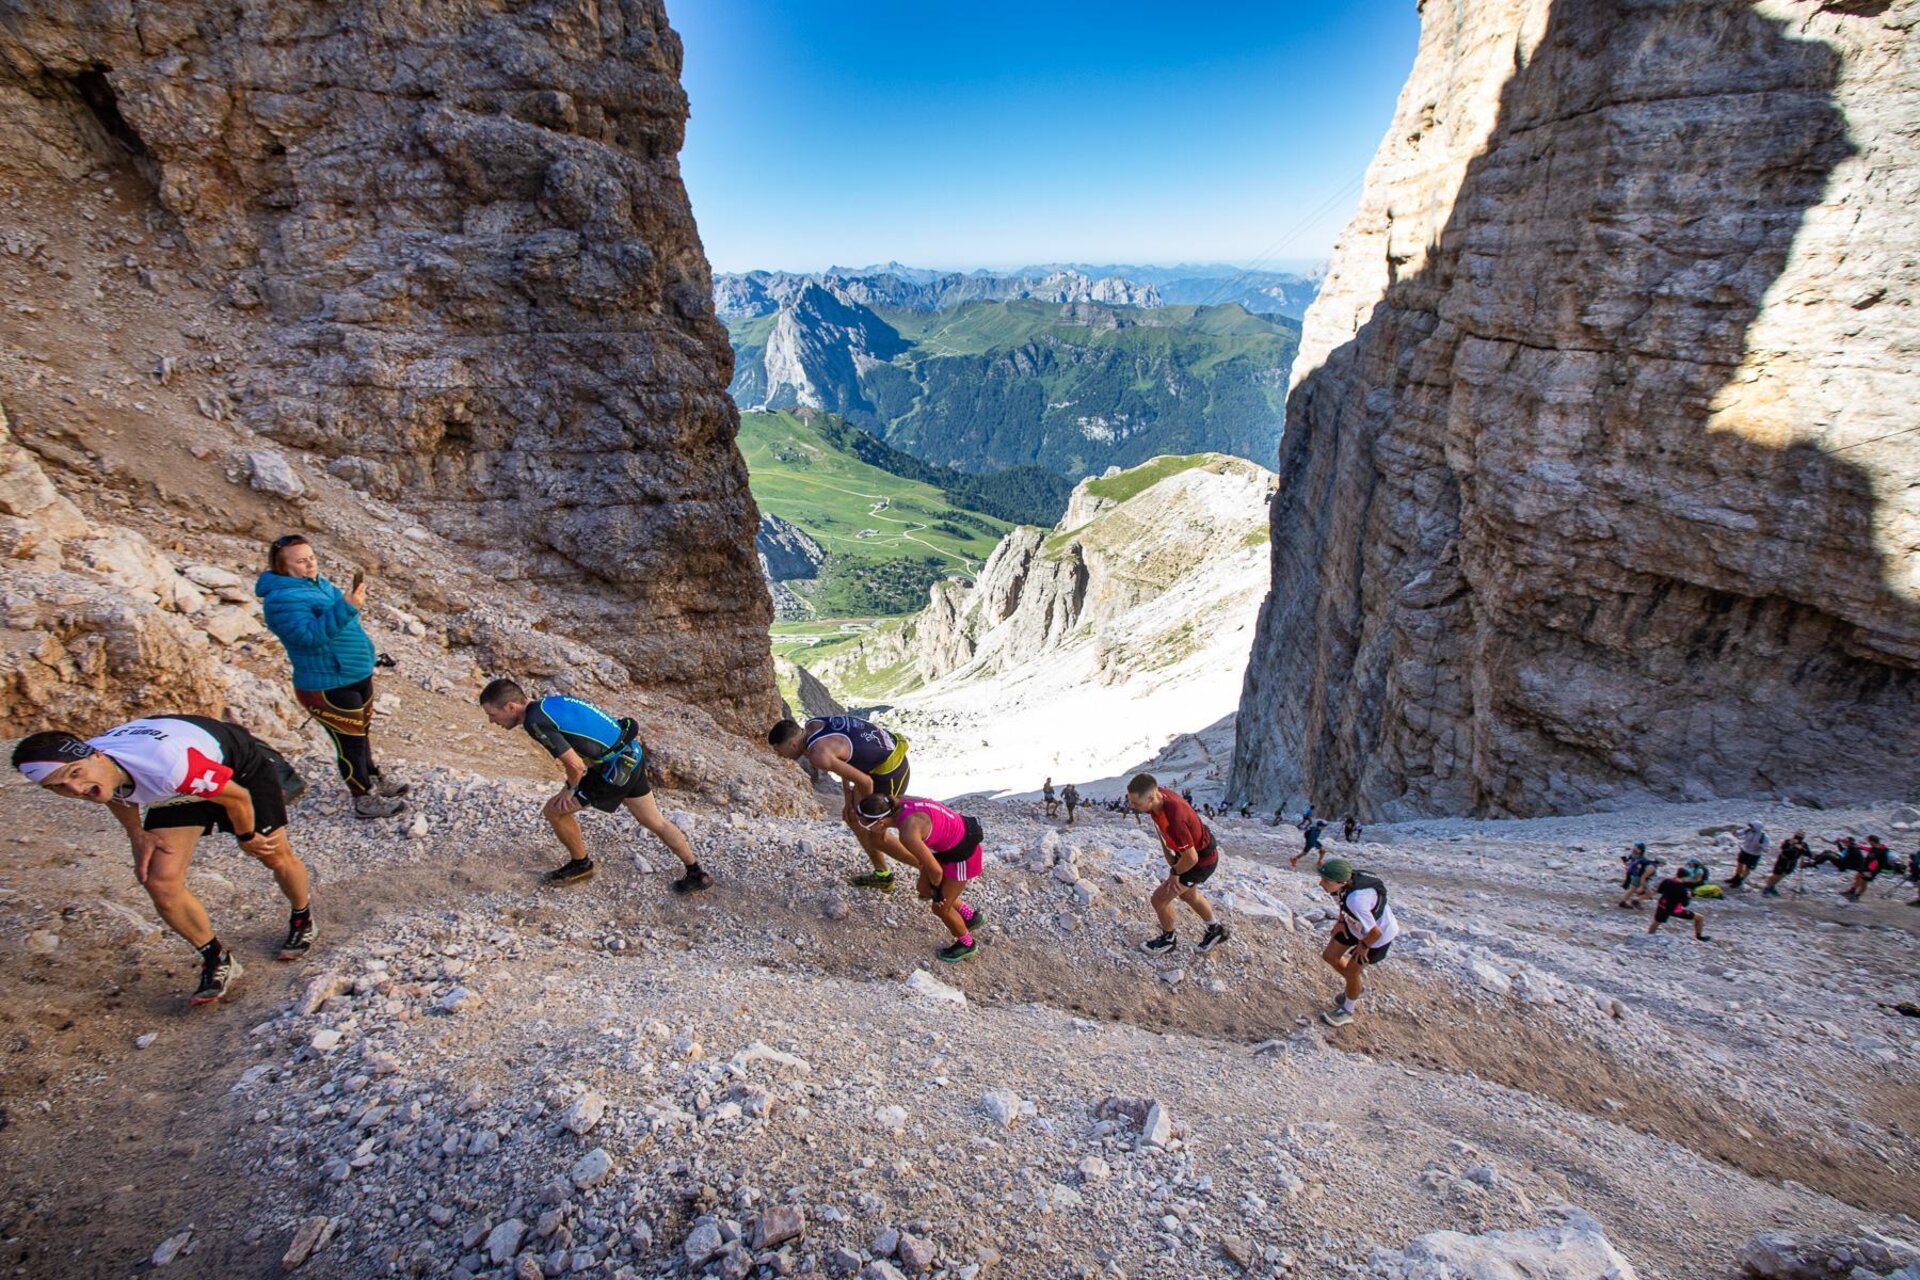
x=470 y=275
x=1597 y=475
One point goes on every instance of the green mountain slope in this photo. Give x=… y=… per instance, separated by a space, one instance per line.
x=887 y=538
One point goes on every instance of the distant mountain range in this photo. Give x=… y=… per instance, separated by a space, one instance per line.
x=758 y=293
x=746 y=295
x=980 y=372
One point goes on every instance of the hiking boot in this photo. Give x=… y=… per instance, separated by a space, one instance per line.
x=217 y=979
x=390 y=790
x=694 y=881
x=572 y=871
x=1215 y=935
x=882 y=880
x=300 y=936
x=1161 y=945
x=957 y=952
x=373 y=806
x=1337 y=1017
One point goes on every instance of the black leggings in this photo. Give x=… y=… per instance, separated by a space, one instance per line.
x=346 y=714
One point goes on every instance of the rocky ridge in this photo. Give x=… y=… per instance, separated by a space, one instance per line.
x=1083 y=649
x=461 y=270
x=744 y=296
x=1596 y=487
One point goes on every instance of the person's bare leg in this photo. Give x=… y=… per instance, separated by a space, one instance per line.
x=1352 y=972
x=1699 y=926
x=943 y=906
x=288 y=871
x=1196 y=900
x=1163 y=904
x=648 y=815
x=568 y=829
x=167 y=886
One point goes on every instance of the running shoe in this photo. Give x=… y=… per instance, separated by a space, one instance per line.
x=572 y=872
x=373 y=806
x=1337 y=1017
x=217 y=979
x=1704 y=937
x=390 y=790
x=300 y=936
x=874 y=880
x=692 y=882
x=1769 y=892
x=1161 y=945
x=1216 y=934
x=978 y=918
x=957 y=952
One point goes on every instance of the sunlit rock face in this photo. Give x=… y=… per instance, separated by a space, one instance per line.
x=1589 y=487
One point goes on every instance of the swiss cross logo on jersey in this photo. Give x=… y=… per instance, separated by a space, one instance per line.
x=204 y=777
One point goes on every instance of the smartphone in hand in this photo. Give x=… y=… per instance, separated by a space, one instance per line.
x=359 y=576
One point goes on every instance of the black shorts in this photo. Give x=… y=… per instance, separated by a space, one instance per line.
x=1666 y=910
x=1747 y=860
x=1784 y=864
x=256 y=766
x=886 y=786
x=596 y=792
x=1202 y=871
x=1374 y=954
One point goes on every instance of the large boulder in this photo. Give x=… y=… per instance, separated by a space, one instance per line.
x=1575 y=1248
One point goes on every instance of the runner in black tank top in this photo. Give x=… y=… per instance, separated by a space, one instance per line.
x=871 y=764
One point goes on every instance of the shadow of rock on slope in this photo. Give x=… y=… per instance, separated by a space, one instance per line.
x=1552 y=530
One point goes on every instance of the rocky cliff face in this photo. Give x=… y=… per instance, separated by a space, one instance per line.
x=467 y=277
x=818 y=349
x=1590 y=486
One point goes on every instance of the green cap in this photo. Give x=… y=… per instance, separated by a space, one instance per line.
x=1338 y=870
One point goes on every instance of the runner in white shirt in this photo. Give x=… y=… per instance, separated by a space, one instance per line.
x=1362 y=933
x=194 y=776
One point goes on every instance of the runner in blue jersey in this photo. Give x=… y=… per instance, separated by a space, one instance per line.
x=871 y=764
x=605 y=766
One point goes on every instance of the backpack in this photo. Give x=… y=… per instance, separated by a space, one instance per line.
x=1366 y=880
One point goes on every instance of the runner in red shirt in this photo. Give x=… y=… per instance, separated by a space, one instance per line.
x=1191 y=856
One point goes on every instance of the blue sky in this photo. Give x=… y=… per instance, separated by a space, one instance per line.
x=993 y=133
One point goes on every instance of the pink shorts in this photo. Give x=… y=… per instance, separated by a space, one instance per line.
x=964 y=871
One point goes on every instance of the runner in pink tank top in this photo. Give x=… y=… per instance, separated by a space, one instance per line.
x=945 y=846
x=948 y=827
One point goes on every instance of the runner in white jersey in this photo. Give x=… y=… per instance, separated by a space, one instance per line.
x=193 y=776
x=1362 y=933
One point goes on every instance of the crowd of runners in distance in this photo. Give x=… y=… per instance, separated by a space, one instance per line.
x=1675 y=893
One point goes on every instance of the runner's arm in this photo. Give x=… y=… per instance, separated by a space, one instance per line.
x=911 y=847
x=127 y=815
x=238 y=802
x=576 y=767
x=144 y=842
x=861 y=783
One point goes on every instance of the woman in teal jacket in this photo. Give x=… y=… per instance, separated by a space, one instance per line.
x=333 y=662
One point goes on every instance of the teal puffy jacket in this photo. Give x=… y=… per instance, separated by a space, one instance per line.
x=319 y=627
